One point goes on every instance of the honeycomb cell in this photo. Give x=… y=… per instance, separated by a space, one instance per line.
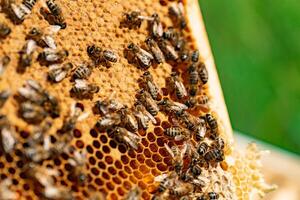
x=127 y=185
x=134 y=164
x=123 y=174
x=112 y=170
x=160 y=142
x=162 y=167
x=96 y=144
x=105 y=176
x=145 y=142
x=142 y=185
x=110 y=186
x=79 y=144
x=95 y=171
x=92 y=160
x=118 y=164
x=147 y=153
x=158 y=131
x=125 y=159
x=133 y=179
x=93 y=133
x=109 y=159
x=112 y=144
x=122 y=148
x=132 y=153
x=153 y=147
x=77 y=133
x=99 y=155
x=140 y=158
x=101 y=165
x=165 y=125
x=156 y=158
x=106 y=149
x=128 y=169
x=150 y=163
x=138 y=174
x=120 y=191
x=151 y=137
x=103 y=139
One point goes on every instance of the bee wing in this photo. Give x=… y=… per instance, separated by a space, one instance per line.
x=31 y=45
x=169 y=150
x=146 y=53
x=160 y=178
x=181 y=87
x=49 y=41
x=158 y=29
x=179 y=137
x=83 y=116
x=53 y=29
x=8 y=141
x=47 y=143
x=146 y=113
x=60 y=76
x=133 y=136
x=134 y=145
x=79 y=83
x=54 y=66
x=180 y=105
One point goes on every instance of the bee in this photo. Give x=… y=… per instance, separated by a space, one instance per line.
x=155 y=50
x=202 y=148
x=83 y=89
x=168 y=105
x=143 y=116
x=108 y=121
x=177 y=156
x=156 y=26
x=4 y=95
x=123 y=135
x=176 y=12
x=97 y=54
x=51 y=56
x=134 y=194
x=57 y=73
x=180 y=189
x=150 y=105
x=167 y=49
x=203 y=99
x=141 y=56
x=32 y=113
x=78 y=162
x=107 y=105
x=71 y=120
x=4 y=31
x=195 y=56
x=200 y=130
x=218 y=143
x=177 y=86
x=17 y=13
x=150 y=85
x=6 y=192
x=184 y=55
x=134 y=19
x=193 y=79
x=42 y=39
x=29 y=4
x=203 y=73
x=196 y=170
x=174 y=37
x=44 y=179
x=83 y=71
x=26 y=55
x=127 y=119
x=7 y=135
x=177 y=133
x=212 y=123
x=165 y=180
x=54 y=15
x=214 y=155
x=213 y=196
x=191 y=102
x=187 y=120
x=5 y=60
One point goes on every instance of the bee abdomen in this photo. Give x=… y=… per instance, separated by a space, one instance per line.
x=82 y=72
x=110 y=56
x=29 y=3
x=173 y=131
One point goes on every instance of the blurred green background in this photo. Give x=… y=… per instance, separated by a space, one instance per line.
x=256 y=45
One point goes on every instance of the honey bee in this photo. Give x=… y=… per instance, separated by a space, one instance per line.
x=17 y=13
x=177 y=156
x=78 y=162
x=5 y=60
x=150 y=85
x=150 y=105
x=165 y=181
x=202 y=148
x=57 y=73
x=187 y=120
x=54 y=15
x=212 y=123
x=108 y=121
x=134 y=194
x=71 y=120
x=193 y=79
x=203 y=73
x=98 y=55
x=107 y=105
x=134 y=19
x=196 y=170
x=29 y=4
x=195 y=56
x=156 y=26
x=200 y=130
x=127 y=119
x=4 y=31
x=44 y=179
x=181 y=188
x=214 y=155
x=184 y=55
x=177 y=133
x=168 y=105
x=32 y=113
x=83 y=89
x=8 y=135
x=191 y=102
x=155 y=50
x=218 y=143
x=4 y=95
x=167 y=49
x=174 y=37
x=51 y=56
x=26 y=55
x=42 y=39
x=143 y=116
x=203 y=99
x=6 y=192
x=83 y=71
x=141 y=56
x=176 y=12
x=177 y=86
x=123 y=135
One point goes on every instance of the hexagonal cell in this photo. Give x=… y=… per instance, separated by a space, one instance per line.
x=151 y=137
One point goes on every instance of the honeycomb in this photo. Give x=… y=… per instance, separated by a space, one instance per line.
x=112 y=169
